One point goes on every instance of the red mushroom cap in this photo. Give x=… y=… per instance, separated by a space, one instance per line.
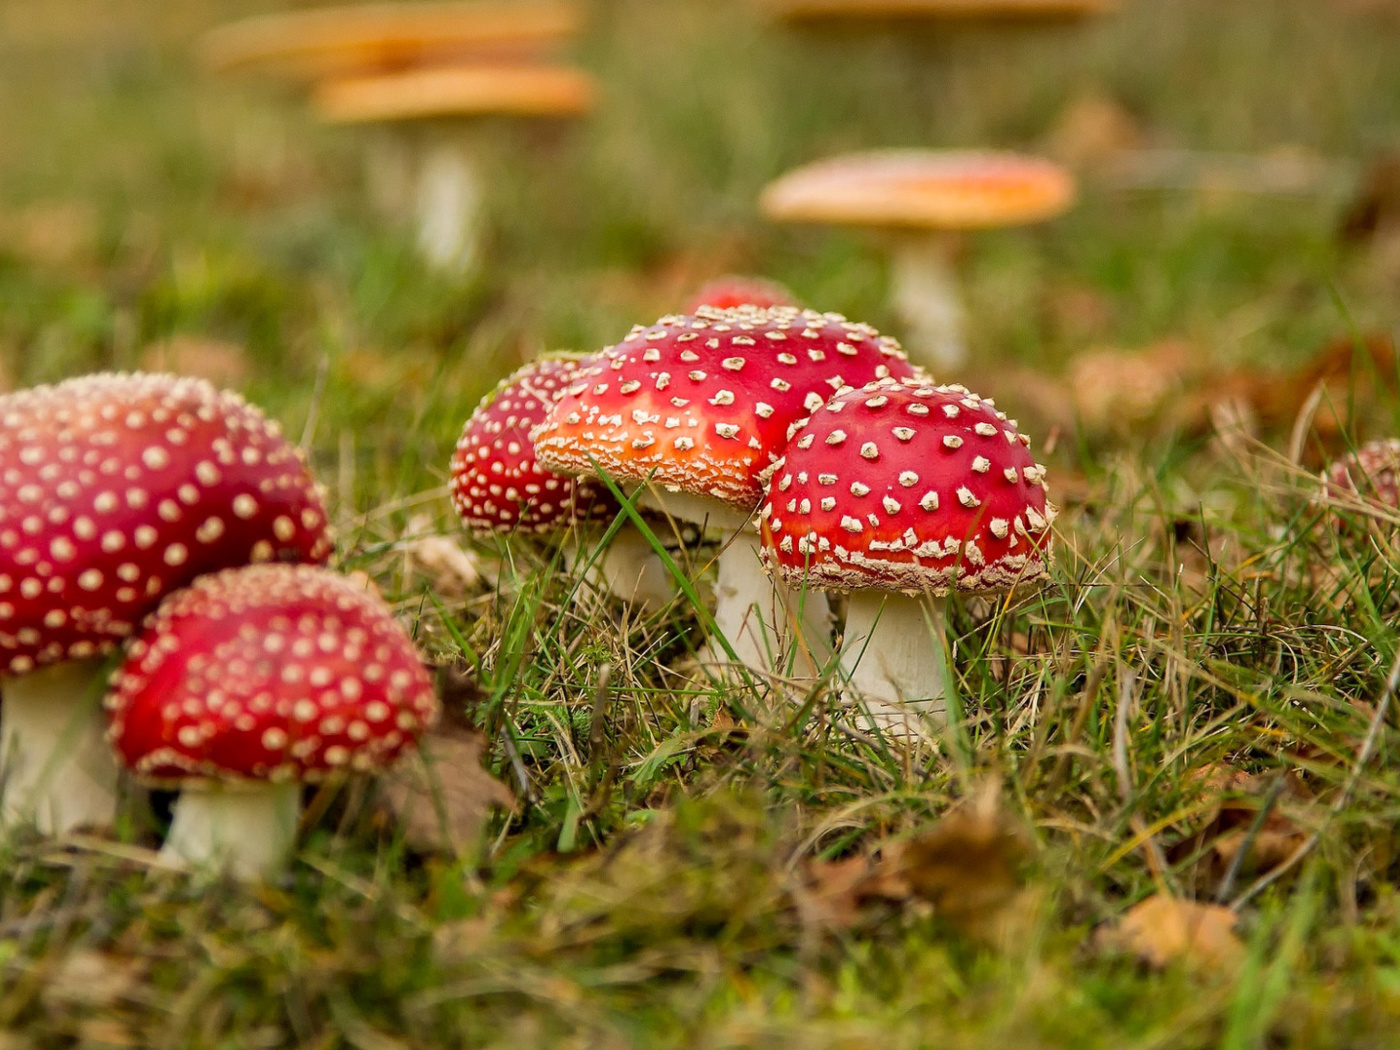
x=725 y=293
x=116 y=488
x=704 y=403
x=1372 y=472
x=497 y=483
x=272 y=672
x=909 y=487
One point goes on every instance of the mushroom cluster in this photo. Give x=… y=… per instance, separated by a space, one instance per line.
x=899 y=493
x=115 y=490
x=697 y=409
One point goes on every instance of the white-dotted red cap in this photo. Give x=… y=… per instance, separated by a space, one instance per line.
x=116 y=489
x=274 y=672
x=1372 y=472
x=910 y=487
x=703 y=403
x=496 y=482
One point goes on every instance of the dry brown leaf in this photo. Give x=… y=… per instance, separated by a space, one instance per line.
x=442 y=794
x=1162 y=930
x=969 y=866
x=90 y=979
x=222 y=363
x=1233 y=799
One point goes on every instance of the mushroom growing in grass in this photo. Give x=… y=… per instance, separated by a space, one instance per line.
x=725 y=293
x=922 y=199
x=114 y=490
x=427 y=158
x=900 y=493
x=698 y=408
x=498 y=486
x=348 y=40
x=1368 y=476
x=248 y=684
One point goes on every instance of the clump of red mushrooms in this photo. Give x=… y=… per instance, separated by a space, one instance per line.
x=116 y=489
x=899 y=493
x=251 y=682
x=498 y=486
x=698 y=408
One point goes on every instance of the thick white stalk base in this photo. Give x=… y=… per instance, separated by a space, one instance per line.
x=634 y=572
x=247 y=830
x=924 y=291
x=629 y=569
x=893 y=658
x=448 y=203
x=55 y=763
x=761 y=619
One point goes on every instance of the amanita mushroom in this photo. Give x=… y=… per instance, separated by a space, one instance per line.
x=1370 y=475
x=249 y=683
x=114 y=490
x=430 y=152
x=379 y=38
x=498 y=486
x=701 y=406
x=725 y=293
x=922 y=198
x=899 y=493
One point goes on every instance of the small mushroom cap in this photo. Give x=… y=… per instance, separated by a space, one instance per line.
x=456 y=91
x=268 y=672
x=725 y=293
x=339 y=41
x=1372 y=472
x=118 y=488
x=497 y=483
x=908 y=487
x=930 y=189
x=703 y=403
x=804 y=10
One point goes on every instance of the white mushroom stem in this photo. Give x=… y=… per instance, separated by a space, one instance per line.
x=893 y=657
x=57 y=768
x=757 y=616
x=246 y=829
x=448 y=198
x=925 y=294
x=430 y=177
x=629 y=569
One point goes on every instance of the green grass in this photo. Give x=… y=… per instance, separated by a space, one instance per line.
x=649 y=889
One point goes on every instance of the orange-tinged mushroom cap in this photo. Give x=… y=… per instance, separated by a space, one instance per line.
x=341 y=41
x=455 y=91
x=935 y=189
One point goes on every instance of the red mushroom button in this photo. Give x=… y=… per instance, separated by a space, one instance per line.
x=899 y=493
x=251 y=682
x=498 y=485
x=725 y=293
x=703 y=405
x=114 y=490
